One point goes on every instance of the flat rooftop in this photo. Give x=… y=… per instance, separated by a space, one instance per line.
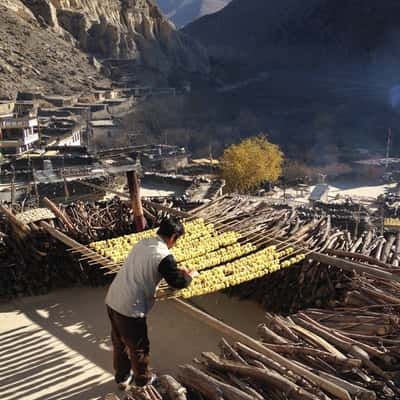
x=58 y=346
x=379 y=161
x=102 y=123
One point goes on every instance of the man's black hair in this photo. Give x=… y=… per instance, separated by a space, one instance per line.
x=171 y=226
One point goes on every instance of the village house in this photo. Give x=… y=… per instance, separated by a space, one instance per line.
x=160 y=158
x=102 y=133
x=164 y=158
x=61 y=101
x=62 y=132
x=59 y=112
x=25 y=107
x=100 y=95
x=18 y=134
x=29 y=96
x=6 y=108
x=92 y=107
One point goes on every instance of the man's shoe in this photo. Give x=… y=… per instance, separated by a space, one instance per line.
x=125 y=383
x=153 y=379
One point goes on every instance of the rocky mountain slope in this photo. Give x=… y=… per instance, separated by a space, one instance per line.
x=134 y=29
x=302 y=32
x=182 y=12
x=34 y=58
x=49 y=42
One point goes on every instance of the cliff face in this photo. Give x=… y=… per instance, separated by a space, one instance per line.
x=128 y=29
x=48 y=44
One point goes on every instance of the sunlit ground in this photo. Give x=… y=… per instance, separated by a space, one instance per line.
x=57 y=346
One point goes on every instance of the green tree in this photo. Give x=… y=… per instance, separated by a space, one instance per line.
x=246 y=165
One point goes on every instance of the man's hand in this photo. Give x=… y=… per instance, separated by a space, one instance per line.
x=193 y=274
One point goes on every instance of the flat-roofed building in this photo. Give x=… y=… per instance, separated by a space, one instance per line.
x=62 y=101
x=62 y=132
x=26 y=107
x=6 y=108
x=18 y=134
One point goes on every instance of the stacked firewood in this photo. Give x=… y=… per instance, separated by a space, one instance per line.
x=392 y=206
x=317 y=354
x=98 y=220
x=304 y=285
x=156 y=209
x=21 y=249
x=12 y=265
x=349 y=350
x=365 y=291
x=345 y=214
x=314 y=283
x=32 y=263
x=311 y=283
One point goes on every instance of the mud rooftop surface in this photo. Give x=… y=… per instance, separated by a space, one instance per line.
x=58 y=346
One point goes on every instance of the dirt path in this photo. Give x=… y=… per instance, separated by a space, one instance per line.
x=57 y=346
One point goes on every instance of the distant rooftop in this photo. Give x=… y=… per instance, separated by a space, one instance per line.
x=59 y=97
x=205 y=161
x=318 y=192
x=102 y=123
x=379 y=161
x=117 y=100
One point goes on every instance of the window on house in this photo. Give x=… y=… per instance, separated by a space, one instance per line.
x=13 y=133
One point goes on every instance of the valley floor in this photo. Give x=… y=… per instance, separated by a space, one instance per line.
x=339 y=190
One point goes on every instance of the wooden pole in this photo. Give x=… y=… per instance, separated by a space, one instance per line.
x=352 y=266
x=35 y=187
x=14 y=221
x=66 y=191
x=169 y=210
x=136 y=204
x=73 y=244
x=56 y=234
x=13 y=188
x=65 y=220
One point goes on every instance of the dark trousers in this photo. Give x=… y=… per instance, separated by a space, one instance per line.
x=131 y=347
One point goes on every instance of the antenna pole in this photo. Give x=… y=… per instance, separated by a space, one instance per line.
x=388 y=144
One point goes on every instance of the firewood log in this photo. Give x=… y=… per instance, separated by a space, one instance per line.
x=212 y=388
x=174 y=390
x=265 y=376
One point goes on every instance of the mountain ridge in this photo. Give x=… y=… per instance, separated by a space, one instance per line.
x=182 y=12
x=315 y=74
x=342 y=30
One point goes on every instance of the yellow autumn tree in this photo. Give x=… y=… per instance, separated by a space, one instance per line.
x=246 y=165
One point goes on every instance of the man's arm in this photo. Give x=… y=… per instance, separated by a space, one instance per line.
x=175 y=277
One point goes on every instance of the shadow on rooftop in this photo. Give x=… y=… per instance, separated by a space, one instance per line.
x=57 y=357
